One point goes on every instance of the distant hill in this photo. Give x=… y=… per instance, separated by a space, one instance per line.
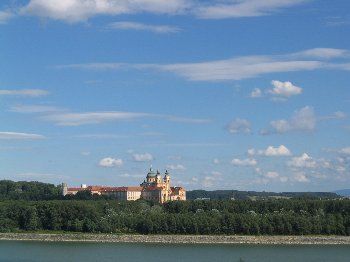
x=235 y=194
x=343 y=192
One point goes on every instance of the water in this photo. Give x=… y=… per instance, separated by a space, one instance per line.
x=27 y=251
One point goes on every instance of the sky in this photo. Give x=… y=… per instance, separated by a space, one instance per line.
x=224 y=94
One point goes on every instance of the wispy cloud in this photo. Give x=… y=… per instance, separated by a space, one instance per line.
x=146 y=157
x=236 y=68
x=63 y=117
x=5 y=16
x=23 y=92
x=34 y=109
x=81 y=10
x=243 y=8
x=76 y=119
x=177 y=167
x=160 y=29
x=19 y=136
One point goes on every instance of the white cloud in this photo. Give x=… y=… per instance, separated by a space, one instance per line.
x=236 y=68
x=161 y=29
x=272 y=174
x=81 y=10
x=77 y=119
x=304 y=161
x=301 y=120
x=19 y=136
x=256 y=92
x=216 y=161
x=271 y=151
x=5 y=16
x=284 y=89
x=300 y=177
x=132 y=175
x=177 y=167
x=185 y=119
x=23 y=92
x=34 y=109
x=325 y=53
x=110 y=162
x=238 y=126
x=335 y=115
x=143 y=157
x=344 y=150
x=216 y=173
x=85 y=153
x=244 y=162
x=242 y=8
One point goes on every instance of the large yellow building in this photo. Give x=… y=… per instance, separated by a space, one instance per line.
x=158 y=189
x=154 y=187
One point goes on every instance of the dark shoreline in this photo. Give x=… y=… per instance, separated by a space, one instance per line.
x=179 y=239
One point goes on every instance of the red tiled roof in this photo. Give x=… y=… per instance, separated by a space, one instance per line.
x=76 y=189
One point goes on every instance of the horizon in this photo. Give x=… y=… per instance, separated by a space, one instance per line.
x=225 y=95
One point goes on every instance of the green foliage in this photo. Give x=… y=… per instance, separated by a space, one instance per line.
x=270 y=217
x=29 y=190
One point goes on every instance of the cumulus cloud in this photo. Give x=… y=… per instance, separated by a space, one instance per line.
x=177 y=167
x=284 y=89
x=19 y=136
x=23 y=92
x=161 y=29
x=271 y=151
x=301 y=120
x=256 y=92
x=302 y=161
x=244 y=162
x=300 y=177
x=238 y=126
x=110 y=162
x=272 y=174
x=143 y=157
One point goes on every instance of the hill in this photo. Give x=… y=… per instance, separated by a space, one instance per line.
x=235 y=194
x=343 y=192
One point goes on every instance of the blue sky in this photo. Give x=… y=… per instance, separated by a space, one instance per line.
x=229 y=94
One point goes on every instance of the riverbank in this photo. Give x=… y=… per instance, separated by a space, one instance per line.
x=180 y=239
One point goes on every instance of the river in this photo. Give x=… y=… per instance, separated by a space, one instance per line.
x=27 y=251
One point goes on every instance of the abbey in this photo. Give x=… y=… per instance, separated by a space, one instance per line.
x=154 y=187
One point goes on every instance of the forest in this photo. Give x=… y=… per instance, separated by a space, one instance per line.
x=38 y=207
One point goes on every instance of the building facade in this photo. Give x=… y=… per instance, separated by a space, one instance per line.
x=154 y=188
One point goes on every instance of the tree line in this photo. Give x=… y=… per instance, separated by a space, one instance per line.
x=268 y=217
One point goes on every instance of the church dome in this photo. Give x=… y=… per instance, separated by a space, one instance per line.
x=151 y=173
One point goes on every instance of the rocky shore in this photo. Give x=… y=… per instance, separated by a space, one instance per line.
x=181 y=239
